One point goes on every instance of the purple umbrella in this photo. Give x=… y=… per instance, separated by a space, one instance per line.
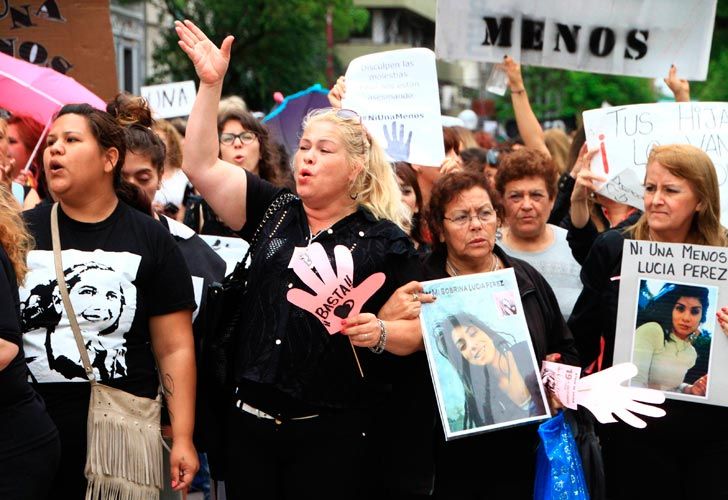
x=284 y=122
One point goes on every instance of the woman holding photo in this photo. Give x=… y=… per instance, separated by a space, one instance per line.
x=464 y=216
x=682 y=205
x=663 y=348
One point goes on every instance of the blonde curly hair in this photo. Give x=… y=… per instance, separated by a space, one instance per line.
x=14 y=235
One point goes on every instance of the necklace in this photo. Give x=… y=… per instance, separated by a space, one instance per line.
x=453 y=271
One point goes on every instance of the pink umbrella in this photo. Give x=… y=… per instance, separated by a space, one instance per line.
x=38 y=92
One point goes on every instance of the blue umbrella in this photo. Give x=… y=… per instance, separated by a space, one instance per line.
x=284 y=122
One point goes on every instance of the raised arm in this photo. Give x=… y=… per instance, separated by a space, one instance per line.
x=221 y=184
x=528 y=126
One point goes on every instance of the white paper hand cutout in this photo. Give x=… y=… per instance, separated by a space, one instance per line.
x=335 y=297
x=603 y=394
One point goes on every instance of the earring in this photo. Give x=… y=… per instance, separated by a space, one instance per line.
x=353 y=196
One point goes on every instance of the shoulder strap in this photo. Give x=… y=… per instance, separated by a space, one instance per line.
x=278 y=203
x=63 y=288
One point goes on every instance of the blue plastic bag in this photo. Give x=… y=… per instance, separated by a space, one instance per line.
x=559 y=474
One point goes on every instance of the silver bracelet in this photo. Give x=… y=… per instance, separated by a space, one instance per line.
x=379 y=348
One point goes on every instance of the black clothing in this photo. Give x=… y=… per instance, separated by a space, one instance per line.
x=637 y=461
x=29 y=441
x=560 y=212
x=120 y=272
x=288 y=364
x=456 y=474
x=200 y=218
x=581 y=240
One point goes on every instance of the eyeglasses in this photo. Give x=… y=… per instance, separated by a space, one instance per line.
x=462 y=218
x=492 y=157
x=245 y=137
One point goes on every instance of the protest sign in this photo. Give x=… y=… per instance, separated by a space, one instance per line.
x=476 y=338
x=231 y=250
x=666 y=325
x=625 y=135
x=73 y=38
x=621 y=37
x=397 y=97
x=169 y=100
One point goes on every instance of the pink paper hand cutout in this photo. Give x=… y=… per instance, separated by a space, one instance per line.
x=603 y=394
x=335 y=297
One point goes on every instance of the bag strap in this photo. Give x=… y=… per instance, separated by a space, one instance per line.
x=63 y=288
x=278 y=203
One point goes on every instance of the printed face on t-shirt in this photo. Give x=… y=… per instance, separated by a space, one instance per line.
x=101 y=290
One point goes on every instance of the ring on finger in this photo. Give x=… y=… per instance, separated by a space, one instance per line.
x=415 y=297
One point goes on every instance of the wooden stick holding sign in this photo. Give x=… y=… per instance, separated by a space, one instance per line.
x=335 y=297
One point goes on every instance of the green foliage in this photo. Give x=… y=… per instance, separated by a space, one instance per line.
x=278 y=45
x=715 y=88
x=558 y=93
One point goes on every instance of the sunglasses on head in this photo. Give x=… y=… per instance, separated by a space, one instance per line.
x=344 y=114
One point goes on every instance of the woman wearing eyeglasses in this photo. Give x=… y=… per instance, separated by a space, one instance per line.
x=464 y=216
x=298 y=415
x=243 y=142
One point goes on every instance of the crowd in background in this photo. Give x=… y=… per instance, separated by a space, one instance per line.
x=297 y=418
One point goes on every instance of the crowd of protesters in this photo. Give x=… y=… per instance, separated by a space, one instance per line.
x=306 y=414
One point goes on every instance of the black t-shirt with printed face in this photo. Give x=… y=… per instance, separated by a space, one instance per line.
x=119 y=272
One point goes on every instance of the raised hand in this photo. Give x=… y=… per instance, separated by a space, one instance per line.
x=210 y=61
x=397 y=148
x=679 y=86
x=604 y=396
x=337 y=92
x=513 y=72
x=586 y=183
x=335 y=297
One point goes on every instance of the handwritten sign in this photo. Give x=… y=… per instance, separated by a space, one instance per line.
x=666 y=322
x=397 y=96
x=169 y=100
x=625 y=135
x=620 y=37
x=73 y=38
x=335 y=297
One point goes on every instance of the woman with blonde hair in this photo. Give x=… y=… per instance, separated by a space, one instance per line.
x=29 y=444
x=300 y=408
x=682 y=205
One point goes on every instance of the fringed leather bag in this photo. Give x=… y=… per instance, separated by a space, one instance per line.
x=124 y=443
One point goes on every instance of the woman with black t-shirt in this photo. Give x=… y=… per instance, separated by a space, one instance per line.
x=299 y=417
x=129 y=286
x=29 y=444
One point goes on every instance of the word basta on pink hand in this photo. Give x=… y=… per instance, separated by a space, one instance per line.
x=335 y=297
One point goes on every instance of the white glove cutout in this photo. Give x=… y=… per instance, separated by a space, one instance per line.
x=335 y=296
x=603 y=395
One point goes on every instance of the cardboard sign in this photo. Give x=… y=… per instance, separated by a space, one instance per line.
x=621 y=37
x=170 y=100
x=73 y=38
x=335 y=297
x=625 y=135
x=666 y=323
x=480 y=353
x=396 y=94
